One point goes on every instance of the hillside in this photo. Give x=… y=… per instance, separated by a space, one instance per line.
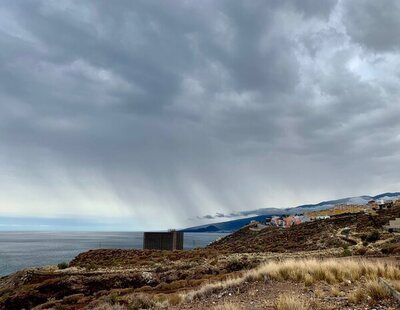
x=228 y=226
x=307 y=236
x=261 y=214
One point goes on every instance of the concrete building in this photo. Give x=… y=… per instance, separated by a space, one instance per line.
x=394 y=226
x=322 y=217
x=385 y=205
x=171 y=240
x=277 y=221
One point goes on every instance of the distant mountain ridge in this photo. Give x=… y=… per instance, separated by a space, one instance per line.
x=263 y=213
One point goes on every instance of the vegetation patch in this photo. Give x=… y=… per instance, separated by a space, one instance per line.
x=63 y=265
x=289 y=301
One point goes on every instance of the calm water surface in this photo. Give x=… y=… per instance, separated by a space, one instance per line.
x=20 y=250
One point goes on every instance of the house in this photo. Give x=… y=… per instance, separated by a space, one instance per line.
x=292 y=220
x=322 y=217
x=277 y=221
x=289 y=220
x=394 y=226
x=385 y=205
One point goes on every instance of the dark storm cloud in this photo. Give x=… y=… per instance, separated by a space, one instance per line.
x=179 y=109
x=374 y=24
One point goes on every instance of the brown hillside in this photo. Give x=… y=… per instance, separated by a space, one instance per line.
x=307 y=236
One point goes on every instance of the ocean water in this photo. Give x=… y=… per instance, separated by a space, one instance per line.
x=19 y=250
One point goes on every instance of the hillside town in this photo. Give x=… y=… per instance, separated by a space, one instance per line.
x=370 y=208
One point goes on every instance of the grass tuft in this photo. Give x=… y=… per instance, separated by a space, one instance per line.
x=289 y=301
x=377 y=291
x=357 y=296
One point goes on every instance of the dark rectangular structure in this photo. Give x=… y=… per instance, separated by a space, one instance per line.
x=171 y=240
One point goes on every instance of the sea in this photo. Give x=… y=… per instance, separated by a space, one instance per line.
x=19 y=250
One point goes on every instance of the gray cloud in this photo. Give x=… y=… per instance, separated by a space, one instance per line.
x=374 y=24
x=148 y=109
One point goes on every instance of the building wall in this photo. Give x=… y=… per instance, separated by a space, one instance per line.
x=172 y=240
x=395 y=225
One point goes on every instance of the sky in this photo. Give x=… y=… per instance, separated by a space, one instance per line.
x=134 y=115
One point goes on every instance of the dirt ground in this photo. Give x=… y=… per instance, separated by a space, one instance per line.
x=263 y=295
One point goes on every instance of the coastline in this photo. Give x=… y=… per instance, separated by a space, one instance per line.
x=313 y=261
x=20 y=250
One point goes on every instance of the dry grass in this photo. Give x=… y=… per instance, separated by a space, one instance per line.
x=331 y=271
x=339 y=209
x=310 y=271
x=139 y=301
x=357 y=296
x=319 y=293
x=335 y=291
x=395 y=284
x=289 y=301
x=210 y=288
x=373 y=290
x=377 y=291
x=227 y=306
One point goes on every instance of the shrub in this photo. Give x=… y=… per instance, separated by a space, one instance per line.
x=140 y=302
x=144 y=288
x=114 y=297
x=235 y=264
x=346 y=252
x=174 y=299
x=63 y=265
x=391 y=248
x=373 y=237
x=92 y=266
x=361 y=251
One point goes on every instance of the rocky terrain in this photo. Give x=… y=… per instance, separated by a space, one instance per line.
x=222 y=274
x=317 y=235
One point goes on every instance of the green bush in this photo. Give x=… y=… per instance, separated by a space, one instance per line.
x=63 y=265
x=346 y=251
x=374 y=236
x=114 y=298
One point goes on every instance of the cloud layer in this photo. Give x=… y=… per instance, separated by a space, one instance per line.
x=164 y=111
